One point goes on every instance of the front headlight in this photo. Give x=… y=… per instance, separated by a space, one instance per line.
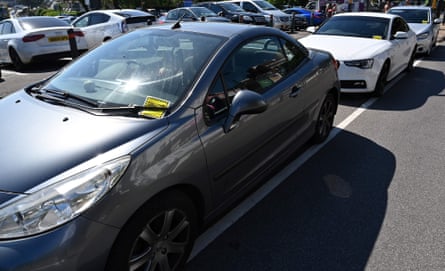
x=362 y=63
x=422 y=36
x=60 y=202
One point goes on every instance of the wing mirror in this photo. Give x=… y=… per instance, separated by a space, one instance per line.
x=245 y=102
x=400 y=35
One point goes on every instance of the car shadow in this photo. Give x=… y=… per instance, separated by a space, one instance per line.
x=326 y=216
x=39 y=67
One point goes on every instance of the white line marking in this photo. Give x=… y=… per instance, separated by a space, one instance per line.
x=239 y=211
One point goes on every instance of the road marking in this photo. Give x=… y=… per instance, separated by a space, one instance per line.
x=239 y=211
x=12 y=72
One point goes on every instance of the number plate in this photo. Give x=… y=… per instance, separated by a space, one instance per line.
x=59 y=38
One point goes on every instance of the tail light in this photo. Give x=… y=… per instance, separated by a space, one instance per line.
x=31 y=38
x=75 y=34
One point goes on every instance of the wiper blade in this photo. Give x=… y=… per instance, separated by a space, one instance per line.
x=67 y=95
x=138 y=110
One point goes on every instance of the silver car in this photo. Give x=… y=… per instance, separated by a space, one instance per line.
x=118 y=161
x=422 y=20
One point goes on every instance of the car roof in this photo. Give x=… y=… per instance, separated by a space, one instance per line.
x=368 y=14
x=412 y=7
x=218 y=28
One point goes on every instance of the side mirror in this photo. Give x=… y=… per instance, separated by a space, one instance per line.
x=400 y=35
x=437 y=21
x=245 y=102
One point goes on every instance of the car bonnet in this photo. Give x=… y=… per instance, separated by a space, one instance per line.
x=346 y=48
x=39 y=140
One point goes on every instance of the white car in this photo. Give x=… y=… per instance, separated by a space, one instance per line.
x=372 y=48
x=28 y=39
x=422 y=20
x=102 y=25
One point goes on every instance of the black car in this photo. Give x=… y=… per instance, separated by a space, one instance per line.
x=234 y=12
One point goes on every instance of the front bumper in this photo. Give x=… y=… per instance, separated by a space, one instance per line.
x=356 y=80
x=70 y=247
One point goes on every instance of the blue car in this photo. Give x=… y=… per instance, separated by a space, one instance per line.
x=312 y=17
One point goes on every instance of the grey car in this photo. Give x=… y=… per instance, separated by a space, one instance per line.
x=120 y=160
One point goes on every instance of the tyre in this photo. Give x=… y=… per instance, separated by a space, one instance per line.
x=325 y=120
x=15 y=59
x=158 y=237
x=410 y=66
x=381 y=81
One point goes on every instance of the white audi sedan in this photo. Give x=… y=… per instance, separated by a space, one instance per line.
x=423 y=21
x=37 y=38
x=372 y=48
x=103 y=25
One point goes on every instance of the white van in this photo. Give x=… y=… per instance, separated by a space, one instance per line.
x=281 y=20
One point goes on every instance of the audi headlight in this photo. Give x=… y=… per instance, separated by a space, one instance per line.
x=247 y=18
x=57 y=203
x=422 y=36
x=362 y=64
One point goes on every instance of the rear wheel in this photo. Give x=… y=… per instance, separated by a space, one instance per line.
x=381 y=81
x=325 y=119
x=158 y=237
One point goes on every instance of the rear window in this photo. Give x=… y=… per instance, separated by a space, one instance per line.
x=40 y=22
x=132 y=13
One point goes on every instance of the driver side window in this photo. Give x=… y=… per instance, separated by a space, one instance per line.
x=258 y=65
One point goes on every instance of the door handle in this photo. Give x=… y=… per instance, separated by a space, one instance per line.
x=295 y=91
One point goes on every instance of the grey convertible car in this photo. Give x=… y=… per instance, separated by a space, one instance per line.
x=118 y=161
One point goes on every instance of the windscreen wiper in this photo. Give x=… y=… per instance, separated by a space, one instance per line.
x=69 y=95
x=137 y=110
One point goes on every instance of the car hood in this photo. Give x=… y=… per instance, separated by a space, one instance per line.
x=39 y=140
x=345 y=48
x=419 y=28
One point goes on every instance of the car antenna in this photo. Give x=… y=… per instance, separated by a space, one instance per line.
x=178 y=23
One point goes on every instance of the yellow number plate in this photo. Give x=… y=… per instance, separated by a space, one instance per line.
x=60 y=38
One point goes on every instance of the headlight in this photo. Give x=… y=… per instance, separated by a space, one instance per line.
x=362 y=64
x=59 y=202
x=422 y=36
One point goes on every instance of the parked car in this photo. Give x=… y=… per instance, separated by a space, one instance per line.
x=233 y=12
x=312 y=17
x=193 y=14
x=279 y=19
x=372 y=48
x=29 y=39
x=102 y=25
x=422 y=20
x=135 y=147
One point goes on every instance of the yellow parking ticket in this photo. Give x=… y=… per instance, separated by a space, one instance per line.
x=157 y=107
x=377 y=37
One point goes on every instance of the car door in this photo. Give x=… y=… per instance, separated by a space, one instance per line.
x=94 y=28
x=237 y=157
x=6 y=29
x=401 y=49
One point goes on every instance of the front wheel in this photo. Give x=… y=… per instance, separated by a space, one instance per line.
x=325 y=120
x=381 y=81
x=158 y=237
